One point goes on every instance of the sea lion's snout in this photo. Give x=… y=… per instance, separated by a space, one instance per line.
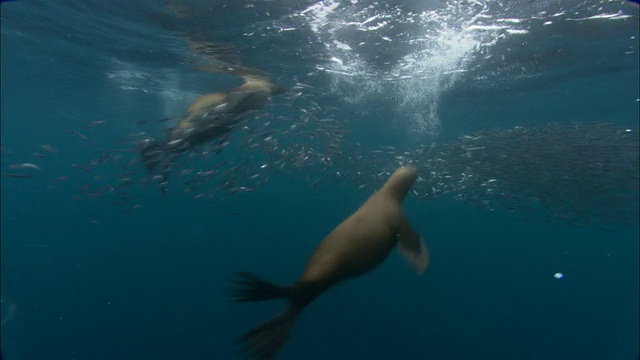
x=408 y=173
x=400 y=182
x=278 y=89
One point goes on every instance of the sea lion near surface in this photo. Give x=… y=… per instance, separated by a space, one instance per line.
x=209 y=117
x=358 y=245
x=214 y=115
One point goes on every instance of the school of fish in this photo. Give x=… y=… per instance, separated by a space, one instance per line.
x=580 y=174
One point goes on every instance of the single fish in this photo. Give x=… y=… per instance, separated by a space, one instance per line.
x=50 y=149
x=95 y=123
x=75 y=133
x=24 y=166
x=19 y=176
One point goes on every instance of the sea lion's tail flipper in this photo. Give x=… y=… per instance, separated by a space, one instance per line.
x=154 y=155
x=413 y=248
x=265 y=340
x=151 y=152
x=253 y=288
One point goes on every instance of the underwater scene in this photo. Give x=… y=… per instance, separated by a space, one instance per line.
x=333 y=179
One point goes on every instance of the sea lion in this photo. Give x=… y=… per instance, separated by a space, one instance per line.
x=214 y=115
x=355 y=247
x=208 y=117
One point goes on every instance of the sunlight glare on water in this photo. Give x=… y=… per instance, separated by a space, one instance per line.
x=437 y=46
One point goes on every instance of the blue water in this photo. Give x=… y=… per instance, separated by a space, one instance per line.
x=84 y=279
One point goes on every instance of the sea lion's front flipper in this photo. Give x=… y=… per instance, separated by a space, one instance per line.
x=413 y=248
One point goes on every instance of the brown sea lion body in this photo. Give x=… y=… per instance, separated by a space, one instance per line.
x=355 y=247
x=211 y=116
x=214 y=115
x=364 y=239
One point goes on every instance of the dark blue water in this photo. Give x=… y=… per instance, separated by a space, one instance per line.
x=84 y=279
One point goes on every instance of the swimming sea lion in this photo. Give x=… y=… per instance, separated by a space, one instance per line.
x=214 y=115
x=208 y=117
x=355 y=247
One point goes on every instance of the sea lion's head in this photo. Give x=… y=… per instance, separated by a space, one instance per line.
x=277 y=89
x=259 y=83
x=400 y=182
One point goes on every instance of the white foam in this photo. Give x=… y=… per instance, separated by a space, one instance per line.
x=441 y=43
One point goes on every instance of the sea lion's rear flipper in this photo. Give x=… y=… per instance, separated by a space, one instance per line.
x=265 y=340
x=251 y=288
x=413 y=248
x=158 y=158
